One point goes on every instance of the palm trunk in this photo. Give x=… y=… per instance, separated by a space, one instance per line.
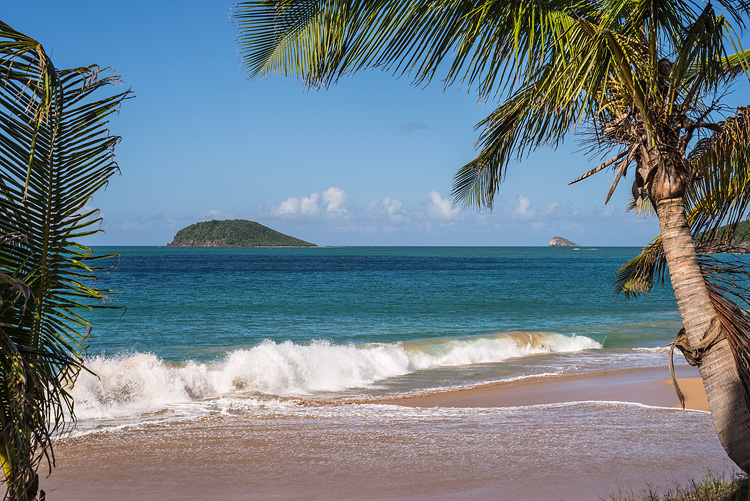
x=729 y=410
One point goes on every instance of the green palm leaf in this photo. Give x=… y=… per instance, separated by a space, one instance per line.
x=638 y=275
x=721 y=192
x=55 y=153
x=487 y=44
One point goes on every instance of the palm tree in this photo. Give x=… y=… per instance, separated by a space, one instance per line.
x=55 y=153
x=643 y=80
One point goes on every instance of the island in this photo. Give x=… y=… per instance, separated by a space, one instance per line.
x=561 y=242
x=739 y=244
x=233 y=233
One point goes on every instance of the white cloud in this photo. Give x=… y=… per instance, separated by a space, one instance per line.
x=524 y=210
x=309 y=205
x=333 y=203
x=441 y=208
x=293 y=206
x=392 y=206
x=335 y=209
x=336 y=199
x=290 y=206
x=552 y=208
x=387 y=207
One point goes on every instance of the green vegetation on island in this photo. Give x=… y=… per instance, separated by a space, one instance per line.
x=741 y=232
x=233 y=233
x=734 y=239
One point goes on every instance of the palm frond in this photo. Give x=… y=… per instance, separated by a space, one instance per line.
x=717 y=197
x=55 y=153
x=720 y=192
x=641 y=204
x=702 y=57
x=542 y=112
x=273 y=33
x=486 y=44
x=638 y=276
x=599 y=167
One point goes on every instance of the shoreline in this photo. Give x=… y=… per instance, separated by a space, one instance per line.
x=411 y=448
x=647 y=386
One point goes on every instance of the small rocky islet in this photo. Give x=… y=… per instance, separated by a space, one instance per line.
x=723 y=240
x=562 y=242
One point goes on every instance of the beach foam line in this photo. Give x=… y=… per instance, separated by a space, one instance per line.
x=391 y=452
x=139 y=383
x=658 y=349
x=436 y=391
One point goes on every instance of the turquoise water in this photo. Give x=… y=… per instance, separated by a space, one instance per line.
x=209 y=328
x=189 y=303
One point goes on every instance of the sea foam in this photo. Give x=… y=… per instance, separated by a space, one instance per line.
x=138 y=383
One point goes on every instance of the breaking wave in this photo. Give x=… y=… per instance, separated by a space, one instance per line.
x=140 y=383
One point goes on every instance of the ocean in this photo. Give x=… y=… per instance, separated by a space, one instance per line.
x=275 y=374
x=206 y=328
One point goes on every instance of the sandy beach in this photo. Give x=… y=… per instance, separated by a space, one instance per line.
x=455 y=445
x=644 y=386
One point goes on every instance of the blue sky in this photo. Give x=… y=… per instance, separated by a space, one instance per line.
x=369 y=161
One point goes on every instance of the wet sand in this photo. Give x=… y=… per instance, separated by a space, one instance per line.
x=470 y=448
x=695 y=394
x=645 y=386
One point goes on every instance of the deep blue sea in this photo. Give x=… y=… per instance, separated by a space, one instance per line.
x=248 y=326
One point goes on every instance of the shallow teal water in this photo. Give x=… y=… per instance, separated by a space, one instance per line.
x=190 y=303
